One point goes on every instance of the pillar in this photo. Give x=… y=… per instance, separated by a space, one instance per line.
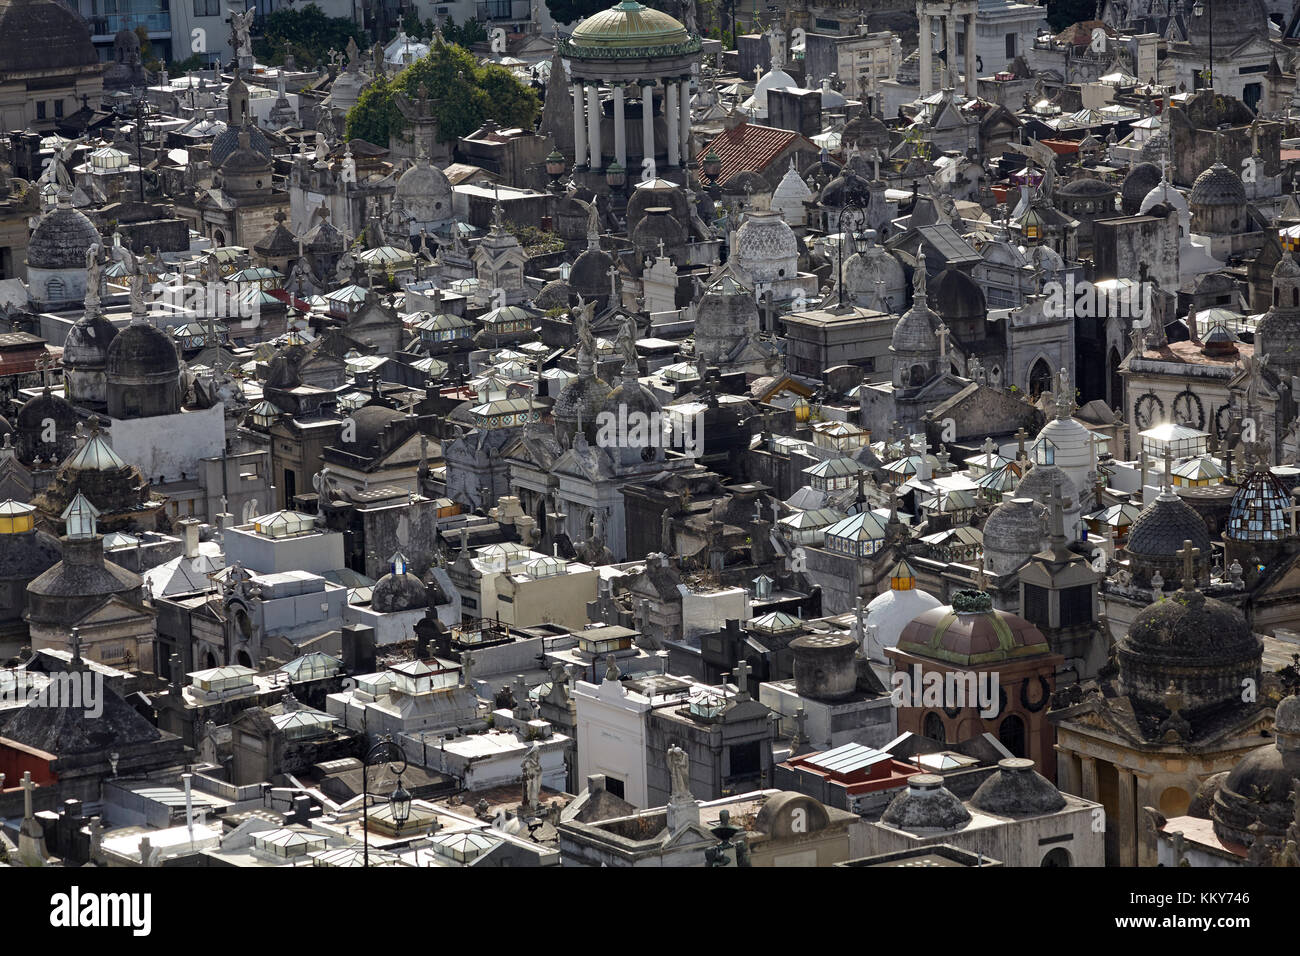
x=972 y=72
x=593 y=125
x=927 y=63
x=684 y=108
x=648 y=121
x=1127 y=822
x=671 y=121
x=950 y=46
x=579 y=126
x=1089 y=774
x=620 y=127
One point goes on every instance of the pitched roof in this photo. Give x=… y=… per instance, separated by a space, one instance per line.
x=750 y=147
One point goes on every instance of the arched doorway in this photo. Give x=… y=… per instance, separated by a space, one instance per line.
x=243 y=659
x=1057 y=856
x=209 y=660
x=933 y=727
x=218 y=238
x=1011 y=733
x=1040 y=378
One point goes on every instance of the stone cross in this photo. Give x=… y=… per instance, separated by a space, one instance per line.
x=800 y=726
x=742 y=677
x=467 y=667
x=942 y=334
x=1295 y=507
x=1020 y=439
x=989 y=447
x=1189 y=555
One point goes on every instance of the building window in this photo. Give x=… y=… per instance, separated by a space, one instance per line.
x=1036 y=605
x=1076 y=605
x=58 y=109
x=40 y=109
x=1011 y=46
x=615 y=786
x=207 y=8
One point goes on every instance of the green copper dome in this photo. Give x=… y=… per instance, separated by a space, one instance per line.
x=629 y=29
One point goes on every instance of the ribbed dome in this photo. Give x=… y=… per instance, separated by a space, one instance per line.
x=971 y=632
x=42 y=36
x=61 y=239
x=553 y=295
x=1013 y=533
x=1257 y=790
x=1233 y=22
x=1162 y=527
x=1258 y=509
x=142 y=350
x=1039 y=483
x=765 y=244
x=228 y=141
x=915 y=331
x=425 y=192
x=1218 y=186
x=1141 y=179
x=629 y=25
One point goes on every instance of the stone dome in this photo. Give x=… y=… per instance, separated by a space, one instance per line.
x=142 y=373
x=25 y=555
x=657 y=226
x=78 y=584
x=655 y=194
x=1234 y=22
x=1157 y=535
x=1013 y=532
x=371 y=422
x=62 y=237
x=1165 y=194
x=1086 y=187
x=41 y=36
x=425 y=192
x=46 y=406
x=1257 y=790
x=926 y=804
x=554 y=295
x=891 y=611
x=244 y=158
x=869 y=264
x=227 y=142
x=971 y=631
x=589 y=276
x=142 y=350
x=773 y=79
x=1141 y=179
x=1218 y=186
x=398 y=592
x=1039 y=483
x=1017 y=790
x=581 y=400
x=628 y=26
x=88 y=341
x=766 y=247
x=1201 y=646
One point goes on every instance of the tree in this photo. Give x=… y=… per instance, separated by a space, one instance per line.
x=467 y=35
x=307 y=33
x=460 y=93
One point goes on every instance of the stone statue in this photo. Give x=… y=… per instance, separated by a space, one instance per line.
x=679 y=770
x=627 y=343
x=532 y=774
x=582 y=328
x=93 y=269
x=1254 y=366
x=692 y=21
x=593 y=219
x=666 y=532
x=240 y=27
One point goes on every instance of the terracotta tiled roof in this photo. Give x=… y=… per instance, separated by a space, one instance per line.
x=750 y=147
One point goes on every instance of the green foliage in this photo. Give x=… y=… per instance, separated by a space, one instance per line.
x=306 y=33
x=461 y=93
x=192 y=62
x=534 y=240
x=466 y=35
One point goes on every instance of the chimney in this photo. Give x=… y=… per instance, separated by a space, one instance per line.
x=595 y=783
x=190 y=535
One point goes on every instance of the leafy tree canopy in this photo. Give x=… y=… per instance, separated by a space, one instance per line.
x=307 y=33
x=461 y=94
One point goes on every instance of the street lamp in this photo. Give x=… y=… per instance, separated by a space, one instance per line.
x=399 y=801
x=555 y=166
x=852 y=207
x=1202 y=9
x=728 y=852
x=712 y=166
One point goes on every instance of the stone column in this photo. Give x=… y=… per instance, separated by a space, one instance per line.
x=927 y=64
x=1127 y=822
x=593 y=125
x=671 y=121
x=620 y=127
x=684 y=108
x=950 y=46
x=1089 y=773
x=579 y=126
x=648 y=121
x=972 y=73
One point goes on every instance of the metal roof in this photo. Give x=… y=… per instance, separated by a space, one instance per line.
x=848 y=758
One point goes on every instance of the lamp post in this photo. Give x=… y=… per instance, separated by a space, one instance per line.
x=399 y=799
x=852 y=205
x=1203 y=9
x=729 y=851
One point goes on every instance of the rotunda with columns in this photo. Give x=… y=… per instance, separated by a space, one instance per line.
x=630 y=68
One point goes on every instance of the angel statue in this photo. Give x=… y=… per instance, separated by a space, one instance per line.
x=240 y=29
x=627 y=342
x=582 y=328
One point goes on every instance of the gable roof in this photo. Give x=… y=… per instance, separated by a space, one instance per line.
x=750 y=147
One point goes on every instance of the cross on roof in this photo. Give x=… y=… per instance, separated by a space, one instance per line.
x=1189 y=555
x=1292 y=511
x=742 y=676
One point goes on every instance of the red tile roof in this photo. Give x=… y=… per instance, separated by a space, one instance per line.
x=750 y=147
